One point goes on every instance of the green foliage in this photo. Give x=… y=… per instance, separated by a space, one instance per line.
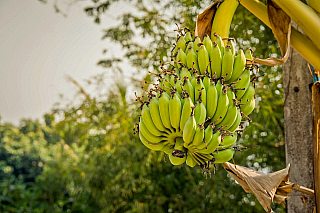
x=85 y=157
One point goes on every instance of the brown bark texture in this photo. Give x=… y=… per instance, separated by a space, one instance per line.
x=298 y=130
x=316 y=141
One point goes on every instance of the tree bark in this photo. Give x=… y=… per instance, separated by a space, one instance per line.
x=298 y=129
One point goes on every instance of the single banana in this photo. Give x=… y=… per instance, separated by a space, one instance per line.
x=146 y=116
x=148 y=135
x=228 y=141
x=189 y=88
x=206 y=82
x=220 y=44
x=155 y=147
x=238 y=67
x=242 y=84
x=181 y=44
x=216 y=59
x=181 y=57
x=185 y=72
x=200 y=113
x=215 y=137
x=222 y=107
x=203 y=60
x=223 y=155
x=236 y=123
x=190 y=161
x=212 y=99
x=164 y=110
x=192 y=59
x=177 y=161
x=212 y=145
x=248 y=107
x=189 y=129
x=188 y=36
x=231 y=44
x=155 y=115
x=175 y=111
x=179 y=150
x=186 y=112
x=249 y=57
x=248 y=95
x=231 y=96
x=198 y=136
x=196 y=41
x=207 y=43
x=208 y=133
x=227 y=63
x=168 y=148
x=199 y=88
x=229 y=118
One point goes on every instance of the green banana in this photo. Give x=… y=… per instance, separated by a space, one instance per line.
x=189 y=47
x=200 y=113
x=181 y=44
x=198 y=136
x=196 y=41
x=206 y=82
x=198 y=159
x=179 y=150
x=248 y=95
x=212 y=99
x=188 y=36
x=176 y=160
x=186 y=112
x=190 y=161
x=164 y=110
x=227 y=63
x=249 y=57
x=181 y=57
x=146 y=116
x=212 y=145
x=231 y=96
x=199 y=88
x=203 y=60
x=189 y=129
x=155 y=114
x=229 y=118
x=231 y=44
x=189 y=88
x=175 y=111
x=236 y=123
x=208 y=133
x=242 y=84
x=155 y=147
x=207 y=43
x=168 y=148
x=148 y=135
x=238 y=67
x=192 y=59
x=223 y=155
x=228 y=141
x=215 y=58
x=216 y=138
x=248 y=107
x=185 y=73
x=220 y=44
x=222 y=107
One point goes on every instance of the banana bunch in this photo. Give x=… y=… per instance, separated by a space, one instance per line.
x=194 y=112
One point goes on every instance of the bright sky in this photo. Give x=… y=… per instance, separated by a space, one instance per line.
x=39 y=48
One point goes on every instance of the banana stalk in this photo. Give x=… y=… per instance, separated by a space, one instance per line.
x=222 y=19
x=298 y=41
x=304 y=16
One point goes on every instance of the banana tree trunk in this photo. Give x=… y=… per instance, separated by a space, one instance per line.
x=298 y=129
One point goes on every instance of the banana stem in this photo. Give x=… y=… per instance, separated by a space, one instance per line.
x=298 y=41
x=304 y=16
x=222 y=19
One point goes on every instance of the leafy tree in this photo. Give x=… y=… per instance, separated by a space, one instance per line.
x=85 y=158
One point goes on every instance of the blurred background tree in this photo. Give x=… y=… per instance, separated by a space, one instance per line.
x=85 y=157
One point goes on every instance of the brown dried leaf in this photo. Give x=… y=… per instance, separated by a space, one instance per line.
x=263 y=186
x=281 y=27
x=204 y=21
